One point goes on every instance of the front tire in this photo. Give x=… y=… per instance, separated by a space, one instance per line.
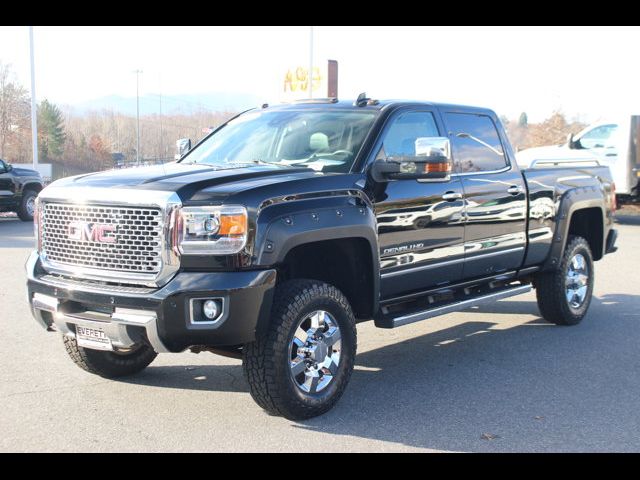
x=564 y=295
x=300 y=367
x=109 y=364
x=27 y=206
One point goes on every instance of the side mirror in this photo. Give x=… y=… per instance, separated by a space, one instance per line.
x=571 y=143
x=9 y=167
x=432 y=161
x=183 y=146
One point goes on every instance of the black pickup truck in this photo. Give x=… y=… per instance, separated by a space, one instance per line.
x=285 y=227
x=19 y=188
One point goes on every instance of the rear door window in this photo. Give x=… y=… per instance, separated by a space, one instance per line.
x=475 y=142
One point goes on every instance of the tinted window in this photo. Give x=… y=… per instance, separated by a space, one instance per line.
x=475 y=142
x=400 y=138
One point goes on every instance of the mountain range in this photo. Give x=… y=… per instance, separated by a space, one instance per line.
x=171 y=104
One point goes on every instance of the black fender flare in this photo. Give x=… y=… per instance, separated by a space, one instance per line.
x=30 y=184
x=289 y=224
x=571 y=201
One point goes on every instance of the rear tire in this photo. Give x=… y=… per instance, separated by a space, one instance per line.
x=564 y=295
x=109 y=364
x=300 y=367
x=27 y=206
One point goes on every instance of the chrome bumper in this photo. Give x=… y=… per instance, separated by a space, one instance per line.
x=114 y=326
x=47 y=312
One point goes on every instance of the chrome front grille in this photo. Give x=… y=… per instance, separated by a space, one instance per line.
x=138 y=233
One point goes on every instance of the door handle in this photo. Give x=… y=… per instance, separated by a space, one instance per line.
x=515 y=190
x=450 y=196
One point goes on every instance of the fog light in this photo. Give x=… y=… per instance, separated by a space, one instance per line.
x=211 y=309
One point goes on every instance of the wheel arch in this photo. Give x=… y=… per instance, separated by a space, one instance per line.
x=582 y=213
x=336 y=244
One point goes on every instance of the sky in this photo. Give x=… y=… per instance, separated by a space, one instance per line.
x=586 y=72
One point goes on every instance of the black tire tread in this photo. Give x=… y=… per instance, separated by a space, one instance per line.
x=22 y=209
x=259 y=357
x=550 y=287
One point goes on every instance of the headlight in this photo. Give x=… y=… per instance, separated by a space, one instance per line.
x=218 y=230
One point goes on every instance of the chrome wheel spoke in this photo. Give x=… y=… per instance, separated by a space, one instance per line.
x=331 y=364
x=581 y=293
x=311 y=382
x=332 y=337
x=298 y=366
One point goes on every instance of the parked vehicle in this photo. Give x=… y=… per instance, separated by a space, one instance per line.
x=613 y=143
x=19 y=188
x=281 y=230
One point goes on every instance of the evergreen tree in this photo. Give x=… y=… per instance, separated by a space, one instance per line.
x=523 y=121
x=51 y=135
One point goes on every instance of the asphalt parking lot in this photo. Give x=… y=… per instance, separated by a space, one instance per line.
x=496 y=378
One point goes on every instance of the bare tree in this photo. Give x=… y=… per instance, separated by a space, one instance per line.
x=14 y=115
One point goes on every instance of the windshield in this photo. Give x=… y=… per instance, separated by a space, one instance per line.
x=325 y=141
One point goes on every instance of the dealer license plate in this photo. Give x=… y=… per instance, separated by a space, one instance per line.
x=92 y=338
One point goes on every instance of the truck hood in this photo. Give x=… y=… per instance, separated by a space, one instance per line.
x=552 y=152
x=187 y=179
x=24 y=172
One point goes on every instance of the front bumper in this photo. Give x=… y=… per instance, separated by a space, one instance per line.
x=161 y=317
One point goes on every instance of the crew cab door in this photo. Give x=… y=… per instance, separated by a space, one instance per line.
x=494 y=193
x=420 y=223
x=7 y=187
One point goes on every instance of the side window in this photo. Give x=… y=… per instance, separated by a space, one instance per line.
x=599 y=137
x=475 y=142
x=3 y=166
x=400 y=137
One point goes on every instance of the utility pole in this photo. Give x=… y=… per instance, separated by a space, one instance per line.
x=310 y=76
x=161 y=154
x=137 y=72
x=34 y=109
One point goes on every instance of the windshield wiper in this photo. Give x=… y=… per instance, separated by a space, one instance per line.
x=255 y=161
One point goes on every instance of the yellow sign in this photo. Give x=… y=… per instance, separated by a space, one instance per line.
x=298 y=80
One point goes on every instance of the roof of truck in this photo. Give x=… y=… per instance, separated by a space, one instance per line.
x=376 y=105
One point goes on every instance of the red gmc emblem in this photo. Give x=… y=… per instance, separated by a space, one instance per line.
x=88 y=232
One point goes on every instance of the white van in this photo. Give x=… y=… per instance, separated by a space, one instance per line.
x=613 y=143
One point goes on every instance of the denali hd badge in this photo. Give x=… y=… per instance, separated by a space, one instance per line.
x=88 y=232
x=403 y=248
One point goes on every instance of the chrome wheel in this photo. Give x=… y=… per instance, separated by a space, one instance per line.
x=577 y=281
x=315 y=352
x=31 y=206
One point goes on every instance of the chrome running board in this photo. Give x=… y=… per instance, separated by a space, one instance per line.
x=391 y=321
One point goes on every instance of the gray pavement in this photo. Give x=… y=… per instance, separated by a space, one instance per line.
x=497 y=372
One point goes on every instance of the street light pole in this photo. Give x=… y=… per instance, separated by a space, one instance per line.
x=137 y=72
x=34 y=109
x=310 y=76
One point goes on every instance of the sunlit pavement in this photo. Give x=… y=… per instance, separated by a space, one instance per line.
x=494 y=379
